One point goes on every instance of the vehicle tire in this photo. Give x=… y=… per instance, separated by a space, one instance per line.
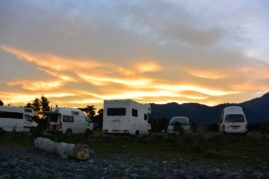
x=137 y=133
x=68 y=132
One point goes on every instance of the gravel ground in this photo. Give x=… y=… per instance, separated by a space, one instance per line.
x=31 y=163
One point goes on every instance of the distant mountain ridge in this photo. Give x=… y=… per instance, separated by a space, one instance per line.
x=256 y=110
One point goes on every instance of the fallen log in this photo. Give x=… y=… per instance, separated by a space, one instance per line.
x=65 y=150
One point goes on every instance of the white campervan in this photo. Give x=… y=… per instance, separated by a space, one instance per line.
x=68 y=121
x=233 y=120
x=126 y=116
x=19 y=119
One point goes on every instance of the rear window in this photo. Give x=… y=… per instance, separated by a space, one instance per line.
x=181 y=120
x=53 y=117
x=234 y=118
x=116 y=111
x=68 y=118
x=134 y=112
x=12 y=115
x=145 y=117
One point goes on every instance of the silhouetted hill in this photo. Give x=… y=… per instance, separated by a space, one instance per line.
x=256 y=110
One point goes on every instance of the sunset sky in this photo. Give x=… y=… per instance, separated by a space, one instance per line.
x=79 y=53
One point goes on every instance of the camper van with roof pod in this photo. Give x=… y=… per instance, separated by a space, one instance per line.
x=19 y=119
x=68 y=121
x=233 y=120
x=126 y=117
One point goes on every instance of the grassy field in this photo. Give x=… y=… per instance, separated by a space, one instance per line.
x=235 y=149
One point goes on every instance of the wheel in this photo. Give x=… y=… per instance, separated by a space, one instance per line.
x=137 y=133
x=69 y=132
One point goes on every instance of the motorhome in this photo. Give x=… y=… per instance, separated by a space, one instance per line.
x=184 y=121
x=126 y=116
x=19 y=119
x=68 y=121
x=233 y=120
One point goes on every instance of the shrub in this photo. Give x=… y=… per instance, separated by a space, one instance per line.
x=88 y=133
x=178 y=128
x=2 y=132
x=36 y=132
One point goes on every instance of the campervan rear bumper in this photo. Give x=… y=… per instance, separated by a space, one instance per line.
x=54 y=132
x=116 y=131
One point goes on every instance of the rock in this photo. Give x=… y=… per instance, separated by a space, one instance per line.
x=4 y=164
x=217 y=171
x=257 y=175
x=91 y=161
x=235 y=175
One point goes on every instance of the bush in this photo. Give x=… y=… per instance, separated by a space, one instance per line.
x=178 y=128
x=2 y=132
x=213 y=127
x=36 y=132
x=88 y=133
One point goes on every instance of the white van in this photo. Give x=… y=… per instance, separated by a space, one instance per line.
x=233 y=120
x=68 y=121
x=19 y=119
x=184 y=121
x=126 y=116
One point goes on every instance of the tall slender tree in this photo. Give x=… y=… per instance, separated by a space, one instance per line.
x=36 y=106
x=44 y=104
x=89 y=110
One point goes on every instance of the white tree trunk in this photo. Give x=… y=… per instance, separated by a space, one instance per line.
x=65 y=150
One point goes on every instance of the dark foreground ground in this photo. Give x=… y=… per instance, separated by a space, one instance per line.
x=31 y=163
x=199 y=155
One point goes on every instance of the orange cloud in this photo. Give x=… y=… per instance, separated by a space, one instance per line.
x=58 y=75
x=16 y=97
x=149 y=66
x=37 y=85
x=214 y=75
x=99 y=80
x=53 y=62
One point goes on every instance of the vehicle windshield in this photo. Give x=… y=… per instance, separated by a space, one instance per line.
x=234 y=118
x=182 y=120
x=28 y=118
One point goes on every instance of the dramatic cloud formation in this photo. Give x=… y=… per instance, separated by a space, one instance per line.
x=82 y=52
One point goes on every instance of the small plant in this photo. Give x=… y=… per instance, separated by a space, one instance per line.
x=2 y=132
x=88 y=132
x=36 y=132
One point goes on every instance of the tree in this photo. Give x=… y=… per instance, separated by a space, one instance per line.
x=28 y=105
x=98 y=119
x=1 y=103
x=44 y=104
x=89 y=110
x=36 y=106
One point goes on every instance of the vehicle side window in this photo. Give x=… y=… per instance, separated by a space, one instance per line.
x=68 y=118
x=12 y=115
x=145 y=117
x=134 y=112
x=116 y=111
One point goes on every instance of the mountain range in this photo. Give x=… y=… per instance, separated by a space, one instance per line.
x=256 y=110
